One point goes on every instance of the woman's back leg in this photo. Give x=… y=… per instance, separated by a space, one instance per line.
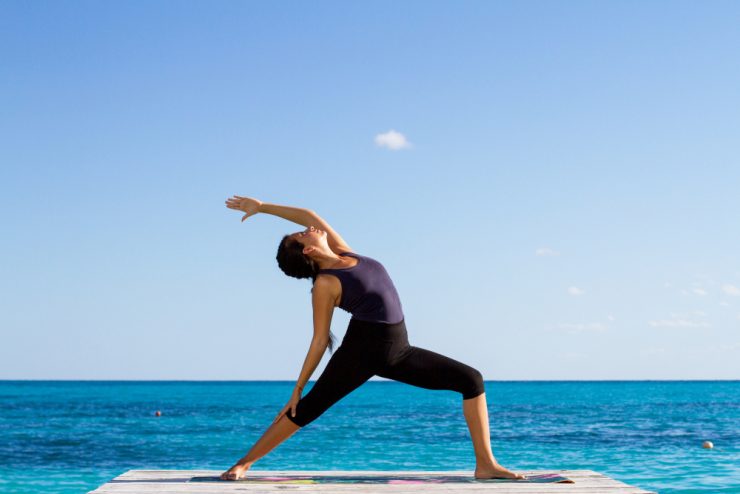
x=431 y=370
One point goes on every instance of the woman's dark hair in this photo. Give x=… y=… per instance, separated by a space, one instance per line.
x=295 y=263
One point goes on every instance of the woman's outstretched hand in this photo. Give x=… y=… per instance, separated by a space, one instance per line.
x=247 y=204
x=290 y=407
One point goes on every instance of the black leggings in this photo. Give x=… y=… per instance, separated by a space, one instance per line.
x=373 y=348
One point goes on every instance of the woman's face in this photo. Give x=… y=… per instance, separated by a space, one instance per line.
x=310 y=237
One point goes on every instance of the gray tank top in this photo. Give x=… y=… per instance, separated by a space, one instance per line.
x=367 y=291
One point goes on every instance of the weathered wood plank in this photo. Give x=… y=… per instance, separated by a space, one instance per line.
x=182 y=474
x=417 y=488
x=178 y=481
x=497 y=488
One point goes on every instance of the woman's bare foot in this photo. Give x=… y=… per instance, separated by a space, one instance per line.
x=235 y=473
x=496 y=471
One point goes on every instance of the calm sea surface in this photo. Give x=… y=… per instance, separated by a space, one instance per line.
x=70 y=437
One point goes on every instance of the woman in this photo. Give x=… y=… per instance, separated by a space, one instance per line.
x=375 y=343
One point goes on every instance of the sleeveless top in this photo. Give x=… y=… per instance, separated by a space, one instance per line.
x=367 y=291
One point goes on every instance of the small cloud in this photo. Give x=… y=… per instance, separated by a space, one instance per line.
x=392 y=140
x=610 y=317
x=724 y=304
x=574 y=290
x=731 y=290
x=678 y=323
x=679 y=320
x=699 y=291
x=581 y=327
x=699 y=313
x=668 y=284
x=546 y=252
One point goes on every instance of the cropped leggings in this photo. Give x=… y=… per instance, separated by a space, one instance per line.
x=373 y=348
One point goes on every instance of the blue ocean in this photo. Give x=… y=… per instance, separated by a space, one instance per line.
x=70 y=437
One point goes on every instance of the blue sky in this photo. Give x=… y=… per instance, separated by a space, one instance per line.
x=566 y=207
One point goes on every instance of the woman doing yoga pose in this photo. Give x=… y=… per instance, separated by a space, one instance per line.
x=376 y=342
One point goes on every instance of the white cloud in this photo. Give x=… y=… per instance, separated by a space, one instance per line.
x=693 y=313
x=731 y=290
x=682 y=320
x=392 y=140
x=724 y=304
x=610 y=317
x=547 y=252
x=678 y=323
x=574 y=290
x=699 y=291
x=581 y=327
x=668 y=284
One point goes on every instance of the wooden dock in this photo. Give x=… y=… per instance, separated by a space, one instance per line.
x=348 y=482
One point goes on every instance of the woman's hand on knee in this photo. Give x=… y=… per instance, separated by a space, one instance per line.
x=290 y=407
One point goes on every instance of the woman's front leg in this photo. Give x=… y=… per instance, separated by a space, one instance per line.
x=486 y=466
x=278 y=432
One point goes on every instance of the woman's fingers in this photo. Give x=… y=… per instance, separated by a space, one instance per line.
x=249 y=206
x=235 y=204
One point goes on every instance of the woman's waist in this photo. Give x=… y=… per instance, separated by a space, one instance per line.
x=374 y=330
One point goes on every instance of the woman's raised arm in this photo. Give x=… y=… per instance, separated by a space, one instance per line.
x=301 y=216
x=251 y=206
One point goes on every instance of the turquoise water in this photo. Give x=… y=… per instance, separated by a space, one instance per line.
x=70 y=437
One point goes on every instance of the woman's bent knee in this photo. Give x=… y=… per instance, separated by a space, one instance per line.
x=474 y=386
x=306 y=411
x=296 y=420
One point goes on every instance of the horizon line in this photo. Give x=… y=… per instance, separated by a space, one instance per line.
x=370 y=380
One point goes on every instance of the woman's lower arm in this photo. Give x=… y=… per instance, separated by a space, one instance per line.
x=301 y=216
x=315 y=352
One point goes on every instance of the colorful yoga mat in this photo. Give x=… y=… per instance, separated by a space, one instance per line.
x=545 y=478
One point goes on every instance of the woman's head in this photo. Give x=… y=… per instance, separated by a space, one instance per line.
x=294 y=255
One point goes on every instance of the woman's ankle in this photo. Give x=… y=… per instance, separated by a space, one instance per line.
x=485 y=461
